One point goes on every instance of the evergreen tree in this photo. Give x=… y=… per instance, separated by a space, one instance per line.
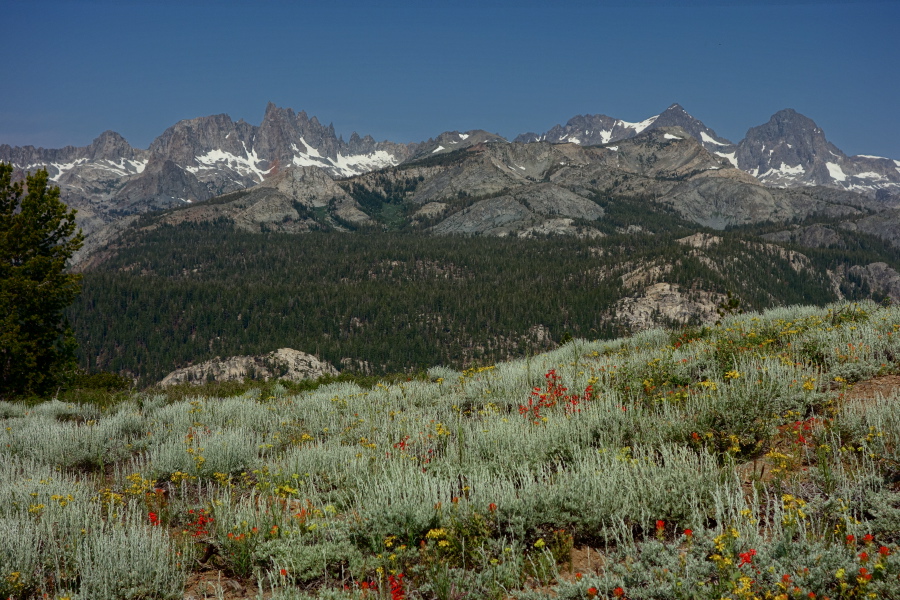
x=37 y=236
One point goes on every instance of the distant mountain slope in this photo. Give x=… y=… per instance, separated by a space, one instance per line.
x=592 y=130
x=662 y=178
x=791 y=150
x=197 y=159
x=788 y=151
x=202 y=158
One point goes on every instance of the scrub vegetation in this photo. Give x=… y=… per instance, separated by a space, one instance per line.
x=729 y=461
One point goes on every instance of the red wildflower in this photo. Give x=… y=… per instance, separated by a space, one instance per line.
x=397 y=592
x=284 y=572
x=592 y=592
x=618 y=592
x=849 y=539
x=688 y=533
x=492 y=507
x=884 y=551
x=864 y=573
x=868 y=538
x=154 y=518
x=747 y=557
x=863 y=557
x=660 y=525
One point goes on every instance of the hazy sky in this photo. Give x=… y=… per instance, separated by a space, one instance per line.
x=406 y=71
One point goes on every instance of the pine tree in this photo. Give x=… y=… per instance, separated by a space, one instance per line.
x=37 y=236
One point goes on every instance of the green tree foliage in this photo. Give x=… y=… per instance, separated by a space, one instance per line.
x=399 y=302
x=37 y=236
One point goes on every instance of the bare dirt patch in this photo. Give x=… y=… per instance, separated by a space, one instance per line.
x=886 y=385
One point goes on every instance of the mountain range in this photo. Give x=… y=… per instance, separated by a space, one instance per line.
x=198 y=159
x=632 y=225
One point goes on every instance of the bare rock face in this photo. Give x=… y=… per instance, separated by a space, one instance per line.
x=284 y=364
x=814 y=236
x=885 y=225
x=667 y=304
x=881 y=279
x=538 y=209
x=310 y=186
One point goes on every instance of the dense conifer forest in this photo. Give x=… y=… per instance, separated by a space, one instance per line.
x=395 y=302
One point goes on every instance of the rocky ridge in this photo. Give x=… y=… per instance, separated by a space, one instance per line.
x=283 y=364
x=201 y=158
x=790 y=150
x=523 y=189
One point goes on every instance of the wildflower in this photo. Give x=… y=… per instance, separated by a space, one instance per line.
x=884 y=551
x=864 y=574
x=618 y=592
x=747 y=557
x=284 y=572
x=492 y=507
x=592 y=592
x=868 y=538
x=849 y=539
x=578 y=576
x=863 y=557
x=154 y=518
x=396 y=583
x=540 y=543
x=689 y=533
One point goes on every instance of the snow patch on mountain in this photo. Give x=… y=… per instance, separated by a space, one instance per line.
x=639 y=127
x=219 y=159
x=356 y=164
x=62 y=168
x=732 y=158
x=709 y=140
x=836 y=172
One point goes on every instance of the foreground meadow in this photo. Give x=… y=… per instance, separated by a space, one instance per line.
x=732 y=461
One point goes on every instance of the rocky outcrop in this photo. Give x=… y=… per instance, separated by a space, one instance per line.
x=529 y=210
x=283 y=364
x=813 y=236
x=885 y=225
x=881 y=279
x=667 y=304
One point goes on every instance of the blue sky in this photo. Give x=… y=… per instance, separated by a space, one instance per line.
x=406 y=71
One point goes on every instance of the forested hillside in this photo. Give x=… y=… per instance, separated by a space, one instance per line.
x=381 y=302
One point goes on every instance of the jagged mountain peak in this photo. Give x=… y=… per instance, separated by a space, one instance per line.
x=791 y=149
x=110 y=145
x=450 y=141
x=676 y=115
x=599 y=129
